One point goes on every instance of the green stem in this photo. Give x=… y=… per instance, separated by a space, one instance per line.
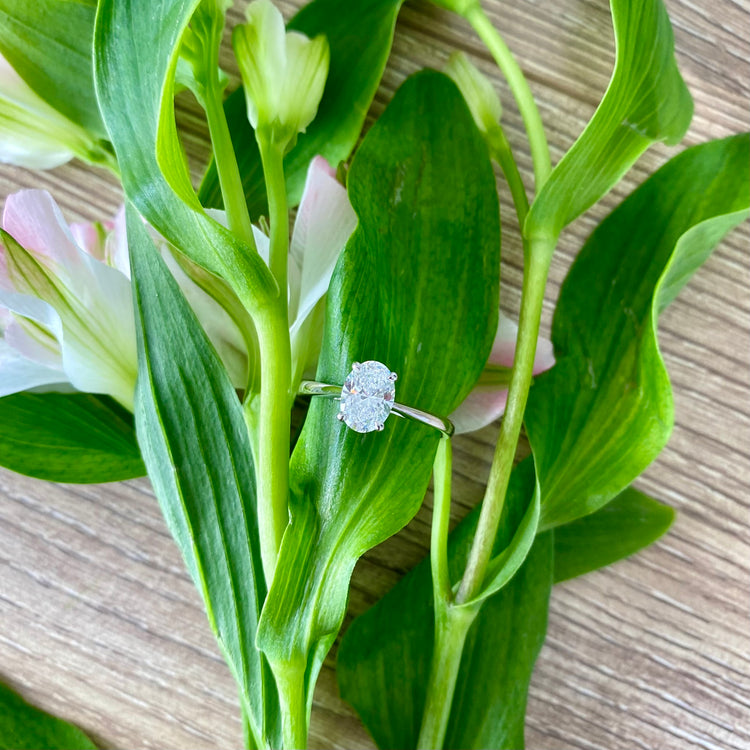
x=274 y=433
x=534 y=280
x=291 y=686
x=520 y=89
x=230 y=181
x=441 y=507
x=502 y=153
x=274 y=422
x=278 y=212
x=451 y=628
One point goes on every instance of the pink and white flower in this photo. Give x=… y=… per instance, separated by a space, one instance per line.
x=67 y=311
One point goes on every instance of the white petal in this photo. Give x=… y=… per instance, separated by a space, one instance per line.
x=100 y=356
x=28 y=125
x=20 y=374
x=325 y=221
x=305 y=78
x=32 y=348
x=263 y=244
x=116 y=247
x=34 y=309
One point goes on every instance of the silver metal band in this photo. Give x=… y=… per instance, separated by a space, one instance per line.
x=444 y=426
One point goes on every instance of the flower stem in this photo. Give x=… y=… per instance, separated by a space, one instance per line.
x=502 y=153
x=452 y=625
x=274 y=434
x=519 y=87
x=291 y=686
x=232 y=192
x=275 y=374
x=441 y=506
x=278 y=212
x=536 y=267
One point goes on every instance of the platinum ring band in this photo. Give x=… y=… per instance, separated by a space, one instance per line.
x=444 y=426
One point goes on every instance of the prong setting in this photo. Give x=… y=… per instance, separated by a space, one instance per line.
x=367 y=396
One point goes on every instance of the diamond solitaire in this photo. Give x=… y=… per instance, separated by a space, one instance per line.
x=367 y=396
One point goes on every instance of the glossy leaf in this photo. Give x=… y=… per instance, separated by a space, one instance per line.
x=25 y=727
x=197 y=450
x=360 y=36
x=603 y=413
x=134 y=70
x=418 y=284
x=623 y=526
x=78 y=438
x=384 y=657
x=49 y=44
x=646 y=101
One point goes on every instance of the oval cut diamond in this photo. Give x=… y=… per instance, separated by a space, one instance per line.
x=367 y=396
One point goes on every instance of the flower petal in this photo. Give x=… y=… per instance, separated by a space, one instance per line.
x=504 y=347
x=36 y=350
x=28 y=125
x=20 y=374
x=487 y=400
x=35 y=221
x=481 y=407
x=325 y=221
x=116 y=246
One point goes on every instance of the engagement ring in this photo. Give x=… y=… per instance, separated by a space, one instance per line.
x=368 y=397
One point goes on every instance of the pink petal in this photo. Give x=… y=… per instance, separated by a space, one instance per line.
x=35 y=221
x=89 y=237
x=481 y=407
x=486 y=403
x=504 y=347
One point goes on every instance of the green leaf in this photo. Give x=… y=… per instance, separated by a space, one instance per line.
x=49 y=44
x=24 y=727
x=603 y=413
x=416 y=288
x=623 y=526
x=384 y=658
x=646 y=101
x=135 y=61
x=197 y=450
x=360 y=36
x=68 y=437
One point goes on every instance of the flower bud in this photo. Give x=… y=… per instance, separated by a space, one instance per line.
x=484 y=103
x=284 y=73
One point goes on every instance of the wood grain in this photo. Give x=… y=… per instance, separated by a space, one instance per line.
x=99 y=622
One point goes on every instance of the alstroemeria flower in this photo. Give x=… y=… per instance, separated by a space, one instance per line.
x=487 y=400
x=283 y=73
x=32 y=133
x=67 y=311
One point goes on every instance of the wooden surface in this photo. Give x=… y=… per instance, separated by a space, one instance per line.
x=99 y=622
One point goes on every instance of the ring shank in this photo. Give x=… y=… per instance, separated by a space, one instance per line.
x=444 y=426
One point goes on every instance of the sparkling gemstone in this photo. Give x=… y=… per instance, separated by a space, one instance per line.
x=367 y=396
